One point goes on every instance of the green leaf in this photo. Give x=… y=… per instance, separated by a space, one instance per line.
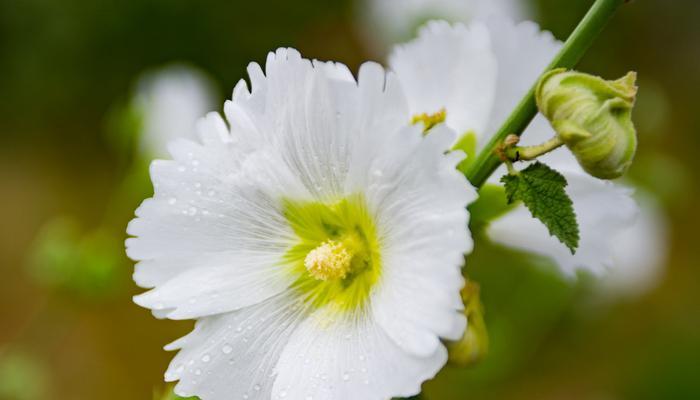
x=541 y=189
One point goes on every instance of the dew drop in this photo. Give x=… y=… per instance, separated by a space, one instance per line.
x=257 y=387
x=198 y=372
x=172 y=201
x=227 y=349
x=206 y=358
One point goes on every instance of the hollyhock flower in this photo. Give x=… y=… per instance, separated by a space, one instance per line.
x=169 y=101
x=317 y=239
x=476 y=75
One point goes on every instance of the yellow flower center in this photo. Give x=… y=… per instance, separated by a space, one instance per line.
x=336 y=259
x=330 y=260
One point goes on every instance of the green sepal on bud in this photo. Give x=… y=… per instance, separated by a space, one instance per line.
x=593 y=117
x=474 y=344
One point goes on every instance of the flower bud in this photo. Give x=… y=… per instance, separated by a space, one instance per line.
x=593 y=117
x=474 y=344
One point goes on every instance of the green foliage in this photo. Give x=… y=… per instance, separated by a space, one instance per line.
x=541 y=189
x=65 y=257
x=22 y=375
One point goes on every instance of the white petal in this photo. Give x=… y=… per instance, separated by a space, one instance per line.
x=422 y=219
x=603 y=211
x=349 y=359
x=450 y=67
x=230 y=283
x=215 y=213
x=233 y=355
x=522 y=52
x=212 y=130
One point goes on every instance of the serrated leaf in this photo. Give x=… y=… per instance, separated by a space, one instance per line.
x=541 y=189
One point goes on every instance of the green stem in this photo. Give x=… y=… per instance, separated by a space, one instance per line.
x=526 y=153
x=575 y=47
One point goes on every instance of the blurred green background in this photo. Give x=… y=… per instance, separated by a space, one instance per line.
x=70 y=330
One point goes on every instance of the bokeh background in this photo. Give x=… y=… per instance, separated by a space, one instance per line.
x=73 y=168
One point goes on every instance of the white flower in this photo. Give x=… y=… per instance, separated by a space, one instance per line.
x=396 y=20
x=478 y=74
x=318 y=240
x=170 y=100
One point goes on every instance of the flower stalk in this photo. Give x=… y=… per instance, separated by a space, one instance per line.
x=528 y=153
x=575 y=47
